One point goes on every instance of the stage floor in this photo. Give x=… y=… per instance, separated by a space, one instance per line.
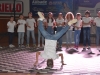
x=20 y=62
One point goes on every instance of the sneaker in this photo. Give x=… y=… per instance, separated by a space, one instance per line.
x=0 y=47
x=27 y=46
x=89 y=47
x=84 y=49
x=22 y=46
x=34 y=45
x=67 y=47
x=38 y=45
x=72 y=22
x=40 y=14
x=12 y=45
x=89 y=50
x=76 y=47
x=19 y=46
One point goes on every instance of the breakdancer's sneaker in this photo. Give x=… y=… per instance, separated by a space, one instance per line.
x=72 y=22
x=40 y=14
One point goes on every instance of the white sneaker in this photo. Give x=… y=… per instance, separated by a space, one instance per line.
x=72 y=22
x=40 y=15
x=38 y=45
x=12 y=45
x=0 y=47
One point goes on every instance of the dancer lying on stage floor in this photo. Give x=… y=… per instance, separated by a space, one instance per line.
x=49 y=52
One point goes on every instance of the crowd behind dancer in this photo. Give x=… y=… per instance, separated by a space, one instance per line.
x=59 y=22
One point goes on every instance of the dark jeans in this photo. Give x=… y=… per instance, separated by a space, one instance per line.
x=97 y=35
x=86 y=34
x=11 y=36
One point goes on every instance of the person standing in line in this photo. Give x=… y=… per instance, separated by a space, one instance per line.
x=30 y=23
x=10 y=25
x=68 y=17
x=50 y=23
x=77 y=27
x=97 y=23
x=60 y=24
x=86 y=22
x=21 y=30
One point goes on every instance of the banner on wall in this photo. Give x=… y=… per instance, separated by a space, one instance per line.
x=55 y=6
x=92 y=5
x=6 y=7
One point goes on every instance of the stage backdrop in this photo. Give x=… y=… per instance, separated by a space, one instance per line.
x=54 y=6
x=82 y=5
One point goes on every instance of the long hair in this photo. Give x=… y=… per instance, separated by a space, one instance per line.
x=52 y=19
x=69 y=14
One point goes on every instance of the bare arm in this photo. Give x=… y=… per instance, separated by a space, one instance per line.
x=28 y=25
x=37 y=56
x=35 y=24
x=15 y=24
x=62 y=58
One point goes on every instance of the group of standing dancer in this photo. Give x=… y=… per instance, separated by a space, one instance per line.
x=50 y=23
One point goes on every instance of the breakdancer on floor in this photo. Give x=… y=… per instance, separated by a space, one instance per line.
x=49 y=52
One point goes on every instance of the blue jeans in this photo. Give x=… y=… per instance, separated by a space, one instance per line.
x=11 y=36
x=39 y=37
x=49 y=36
x=50 y=30
x=60 y=39
x=28 y=36
x=86 y=36
x=97 y=35
x=20 y=38
x=77 y=37
x=69 y=37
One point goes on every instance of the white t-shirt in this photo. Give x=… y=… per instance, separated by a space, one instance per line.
x=30 y=22
x=11 y=26
x=59 y=21
x=21 y=26
x=50 y=23
x=71 y=27
x=97 y=21
x=78 y=24
x=86 y=20
x=50 y=50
